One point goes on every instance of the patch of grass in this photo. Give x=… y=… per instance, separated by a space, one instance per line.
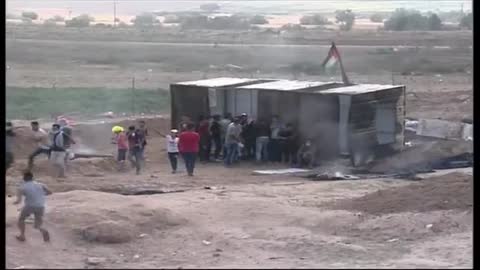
x=31 y=103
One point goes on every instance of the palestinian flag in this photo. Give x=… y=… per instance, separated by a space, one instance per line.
x=332 y=61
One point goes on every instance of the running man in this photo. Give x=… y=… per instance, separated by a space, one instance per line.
x=40 y=137
x=58 y=151
x=34 y=203
x=135 y=145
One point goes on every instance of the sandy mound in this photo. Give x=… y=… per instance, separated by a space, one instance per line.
x=410 y=226
x=419 y=157
x=92 y=167
x=109 y=218
x=451 y=191
x=109 y=232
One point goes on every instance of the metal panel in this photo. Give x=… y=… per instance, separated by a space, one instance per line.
x=287 y=85
x=385 y=120
x=242 y=101
x=343 y=130
x=219 y=82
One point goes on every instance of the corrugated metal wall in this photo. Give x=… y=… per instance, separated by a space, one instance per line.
x=186 y=100
x=369 y=123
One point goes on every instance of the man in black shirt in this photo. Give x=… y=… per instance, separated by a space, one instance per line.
x=261 y=140
x=216 y=134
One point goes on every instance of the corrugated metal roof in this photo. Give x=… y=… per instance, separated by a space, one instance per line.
x=358 y=89
x=218 y=82
x=285 y=85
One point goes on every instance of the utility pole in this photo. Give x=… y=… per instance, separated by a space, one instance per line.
x=133 y=95
x=114 y=13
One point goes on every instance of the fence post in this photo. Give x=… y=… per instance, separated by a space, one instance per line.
x=133 y=95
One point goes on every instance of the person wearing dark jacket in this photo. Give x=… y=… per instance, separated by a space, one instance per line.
x=203 y=130
x=261 y=140
x=249 y=135
x=216 y=134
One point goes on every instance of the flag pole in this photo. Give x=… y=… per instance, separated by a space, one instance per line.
x=344 y=75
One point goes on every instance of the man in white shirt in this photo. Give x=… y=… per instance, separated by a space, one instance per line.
x=232 y=140
x=172 y=149
x=40 y=137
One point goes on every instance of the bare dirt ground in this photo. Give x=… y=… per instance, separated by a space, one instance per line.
x=242 y=220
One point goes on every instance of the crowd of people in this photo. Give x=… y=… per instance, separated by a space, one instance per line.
x=228 y=139
x=233 y=139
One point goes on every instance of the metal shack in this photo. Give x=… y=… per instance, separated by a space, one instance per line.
x=360 y=121
x=203 y=97
x=371 y=120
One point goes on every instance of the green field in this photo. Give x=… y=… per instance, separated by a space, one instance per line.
x=33 y=103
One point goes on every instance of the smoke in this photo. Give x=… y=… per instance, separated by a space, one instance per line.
x=84 y=149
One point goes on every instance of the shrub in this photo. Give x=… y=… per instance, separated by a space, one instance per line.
x=210 y=7
x=171 y=19
x=315 y=19
x=434 y=23
x=408 y=20
x=30 y=14
x=146 y=20
x=83 y=20
x=58 y=18
x=258 y=19
x=346 y=19
x=292 y=27
x=467 y=21
x=222 y=22
x=378 y=18
x=49 y=22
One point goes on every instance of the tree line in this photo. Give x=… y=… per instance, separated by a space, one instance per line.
x=399 y=20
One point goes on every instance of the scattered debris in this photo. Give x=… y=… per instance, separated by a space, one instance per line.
x=289 y=171
x=95 y=260
x=80 y=155
x=442 y=129
x=330 y=176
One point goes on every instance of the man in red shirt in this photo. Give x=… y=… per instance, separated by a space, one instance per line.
x=188 y=143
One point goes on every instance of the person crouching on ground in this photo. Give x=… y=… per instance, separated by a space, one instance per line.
x=34 y=193
x=188 y=144
x=121 y=141
x=172 y=149
x=306 y=155
x=135 y=144
x=58 y=152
